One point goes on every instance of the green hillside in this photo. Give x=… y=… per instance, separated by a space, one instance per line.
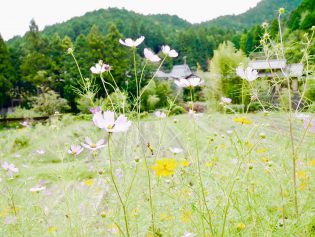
x=265 y=10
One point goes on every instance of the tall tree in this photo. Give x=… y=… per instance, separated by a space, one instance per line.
x=6 y=74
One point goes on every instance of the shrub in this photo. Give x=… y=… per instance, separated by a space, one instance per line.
x=49 y=102
x=23 y=113
x=84 y=104
x=255 y=106
x=118 y=100
x=176 y=109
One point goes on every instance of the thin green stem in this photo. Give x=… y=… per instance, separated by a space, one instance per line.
x=116 y=187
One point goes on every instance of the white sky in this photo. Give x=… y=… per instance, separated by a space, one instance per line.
x=15 y=15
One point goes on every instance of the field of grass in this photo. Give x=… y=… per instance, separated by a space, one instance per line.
x=244 y=187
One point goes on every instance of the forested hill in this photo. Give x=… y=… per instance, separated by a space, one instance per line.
x=303 y=17
x=265 y=10
x=129 y=23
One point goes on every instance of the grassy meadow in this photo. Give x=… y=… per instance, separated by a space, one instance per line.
x=245 y=171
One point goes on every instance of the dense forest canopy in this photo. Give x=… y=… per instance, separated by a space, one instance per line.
x=38 y=59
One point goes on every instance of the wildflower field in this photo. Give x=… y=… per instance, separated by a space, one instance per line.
x=201 y=175
x=150 y=156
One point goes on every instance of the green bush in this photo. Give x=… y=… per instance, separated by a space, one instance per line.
x=310 y=90
x=311 y=108
x=255 y=106
x=49 y=102
x=23 y=113
x=84 y=104
x=176 y=109
x=118 y=100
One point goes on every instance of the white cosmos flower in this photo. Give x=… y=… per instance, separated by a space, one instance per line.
x=225 y=100
x=40 y=152
x=100 y=68
x=107 y=122
x=176 y=150
x=248 y=74
x=149 y=55
x=75 y=149
x=160 y=114
x=132 y=43
x=93 y=146
x=37 y=189
x=10 y=168
x=169 y=52
x=190 y=82
x=188 y=234
x=301 y=116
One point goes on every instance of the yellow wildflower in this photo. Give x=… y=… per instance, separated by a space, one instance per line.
x=261 y=150
x=52 y=229
x=265 y=159
x=165 y=167
x=186 y=216
x=248 y=144
x=302 y=186
x=185 y=163
x=240 y=226
x=209 y=164
x=311 y=163
x=242 y=120
x=301 y=174
x=89 y=182
x=166 y=217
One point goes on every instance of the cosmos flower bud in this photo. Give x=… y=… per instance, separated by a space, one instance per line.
x=266 y=36
x=264 y=25
x=262 y=135
x=70 y=51
x=281 y=11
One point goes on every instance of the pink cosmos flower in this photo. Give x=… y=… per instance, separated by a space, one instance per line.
x=93 y=146
x=100 y=68
x=160 y=114
x=248 y=74
x=169 y=52
x=107 y=122
x=10 y=168
x=190 y=82
x=25 y=123
x=225 y=100
x=95 y=110
x=119 y=173
x=10 y=220
x=132 y=43
x=75 y=150
x=149 y=55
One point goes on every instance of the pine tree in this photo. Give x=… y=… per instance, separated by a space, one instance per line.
x=96 y=43
x=117 y=56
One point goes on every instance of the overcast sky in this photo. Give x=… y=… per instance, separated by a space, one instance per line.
x=15 y=15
